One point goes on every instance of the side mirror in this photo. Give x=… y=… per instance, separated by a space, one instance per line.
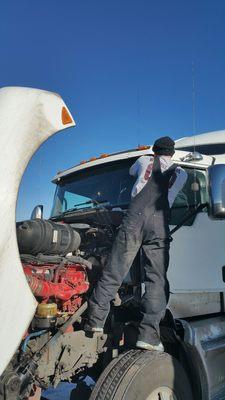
x=216 y=186
x=37 y=212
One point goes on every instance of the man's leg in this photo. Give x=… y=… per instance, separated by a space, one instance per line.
x=124 y=250
x=155 y=298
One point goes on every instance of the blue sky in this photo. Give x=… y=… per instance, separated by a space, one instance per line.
x=124 y=68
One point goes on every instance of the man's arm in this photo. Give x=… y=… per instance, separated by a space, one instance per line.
x=134 y=168
x=141 y=162
x=138 y=169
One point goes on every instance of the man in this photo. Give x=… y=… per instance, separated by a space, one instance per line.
x=145 y=226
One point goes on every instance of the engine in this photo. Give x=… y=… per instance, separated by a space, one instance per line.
x=63 y=284
x=62 y=263
x=56 y=275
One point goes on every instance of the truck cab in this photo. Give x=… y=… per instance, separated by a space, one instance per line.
x=96 y=188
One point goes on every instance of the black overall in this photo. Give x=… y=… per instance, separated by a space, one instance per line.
x=145 y=226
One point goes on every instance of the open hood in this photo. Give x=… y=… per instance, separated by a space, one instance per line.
x=27 y=118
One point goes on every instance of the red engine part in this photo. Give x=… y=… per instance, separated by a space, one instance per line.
x=65 y=282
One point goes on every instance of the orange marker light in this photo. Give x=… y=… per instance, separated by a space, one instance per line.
x=93 y=159
x=104 y=155
x=83 y=162
x=66 y=118
x=144 y=147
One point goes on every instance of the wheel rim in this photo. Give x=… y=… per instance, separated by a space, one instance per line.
x=162 y=393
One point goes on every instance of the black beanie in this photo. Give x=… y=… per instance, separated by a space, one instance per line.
x=164 y=146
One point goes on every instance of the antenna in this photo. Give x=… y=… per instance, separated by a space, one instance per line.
x=195 y=185
x=193 y=102
x=138 y=117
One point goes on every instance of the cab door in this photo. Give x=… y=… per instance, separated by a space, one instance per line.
x=197 y=253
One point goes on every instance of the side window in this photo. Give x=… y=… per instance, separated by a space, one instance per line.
x=193 y=194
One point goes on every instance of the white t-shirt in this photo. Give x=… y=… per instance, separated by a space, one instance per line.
x=142 y=168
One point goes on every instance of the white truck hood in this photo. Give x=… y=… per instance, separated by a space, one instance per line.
x=27 y=118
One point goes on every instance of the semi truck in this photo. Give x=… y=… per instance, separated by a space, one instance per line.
x=49 y=268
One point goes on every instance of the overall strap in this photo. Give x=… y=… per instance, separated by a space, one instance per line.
x=157 y=167
x=170 y=170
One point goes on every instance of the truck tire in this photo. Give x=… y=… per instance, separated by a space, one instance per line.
x=143 y=375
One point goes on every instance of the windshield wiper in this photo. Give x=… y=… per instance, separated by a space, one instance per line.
x=95 y=202
x=75 y=208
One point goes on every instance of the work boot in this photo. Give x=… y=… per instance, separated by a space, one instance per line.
x=93 y=329
x=148 y=346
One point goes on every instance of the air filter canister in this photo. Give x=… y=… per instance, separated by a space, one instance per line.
x=46 y=237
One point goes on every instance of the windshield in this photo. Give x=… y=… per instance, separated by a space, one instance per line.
x=111 y=185
x=108 y=184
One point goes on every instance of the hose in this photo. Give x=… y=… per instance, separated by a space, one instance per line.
x=32 y=335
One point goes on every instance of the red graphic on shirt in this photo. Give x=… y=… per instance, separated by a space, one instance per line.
x=148 y=171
